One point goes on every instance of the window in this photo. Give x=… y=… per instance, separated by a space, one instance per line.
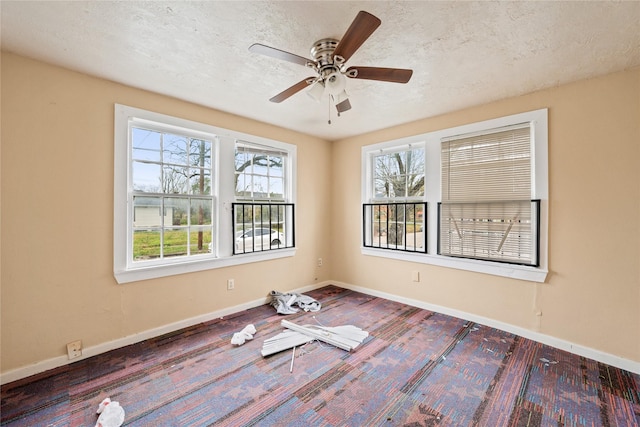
x=171 y=193
x=263 y=221
x=394 y=218
x=263 y=227
x=488 y=184
x=486 y=210
x=175 y=186
x=395 y=226
x=399 y=175
x=260 y=172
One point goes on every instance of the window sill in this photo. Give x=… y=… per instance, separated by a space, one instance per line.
x=520 y=272
x=154 y=272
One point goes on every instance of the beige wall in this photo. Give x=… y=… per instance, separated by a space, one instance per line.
x=57 y=219
x=592 y=295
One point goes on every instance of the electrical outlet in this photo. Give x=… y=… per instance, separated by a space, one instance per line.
x=231 y=284
x=319 y=262
x=415 y=276
x=74 y=349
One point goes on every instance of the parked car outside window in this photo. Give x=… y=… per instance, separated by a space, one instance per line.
x=257 y=239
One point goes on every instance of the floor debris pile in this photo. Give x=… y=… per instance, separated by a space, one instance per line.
x=346 y=337
x=291 y=303
x=245 y=334
x=111 y=414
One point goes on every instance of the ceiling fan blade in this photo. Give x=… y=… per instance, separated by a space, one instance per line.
x=343 y=106
x=394 y=75
x=361 y=28
x=280 y=54
x=292 y=90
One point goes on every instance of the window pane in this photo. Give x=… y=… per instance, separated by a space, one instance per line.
x=147 y=212
x=175 y=242
x=381 y=188
x=200 y=212
x=146 y=144
x=241 y=186
x=174 y=180
x=400 y=174
x=259 y=173
x=260 y=164
x=244 y=218
x=277 y=166
x=146 y=244
x=276 y=188
x=174 y=149
x=415 y=227
x=260 y=186
x=200 y=181
x=176 y=211
x=263 y=227
x=200 y=153
x=415 y=172
x=243 y=160
x=200 y=240
x=146 y=177
x=395 y=226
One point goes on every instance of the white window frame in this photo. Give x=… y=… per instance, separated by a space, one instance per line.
x=288 y=218
x=125 y=270
x=432 y=141
x=395 y=149
x=249 y=146
x=375 y=199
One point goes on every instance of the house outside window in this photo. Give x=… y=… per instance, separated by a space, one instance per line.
x=176 y=184
x=487 y=211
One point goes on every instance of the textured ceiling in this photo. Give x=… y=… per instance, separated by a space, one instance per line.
x=462 y=53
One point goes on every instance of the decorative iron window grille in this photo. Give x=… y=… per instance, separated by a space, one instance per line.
x=260 y=227
x=503 y=231
x=395 y=226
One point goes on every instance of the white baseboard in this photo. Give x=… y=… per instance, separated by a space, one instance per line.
x=580 y=350
x=56 y=362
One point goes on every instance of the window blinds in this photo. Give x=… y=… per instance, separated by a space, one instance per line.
x=486 y=210
x=485 y=167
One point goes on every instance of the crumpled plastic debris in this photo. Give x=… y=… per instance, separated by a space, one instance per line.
x=285 y=303
x=111 y=414
x=246 y=334
x=548 y=362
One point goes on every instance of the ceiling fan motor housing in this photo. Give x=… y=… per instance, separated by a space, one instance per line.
x=322 y=53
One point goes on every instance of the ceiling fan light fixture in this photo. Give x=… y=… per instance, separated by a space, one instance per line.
x=342 y=96
x=316 y=91
x=341 y=102
x=335 y=83
x=343 y=106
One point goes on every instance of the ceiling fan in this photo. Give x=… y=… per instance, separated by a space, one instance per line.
x=329 y=62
